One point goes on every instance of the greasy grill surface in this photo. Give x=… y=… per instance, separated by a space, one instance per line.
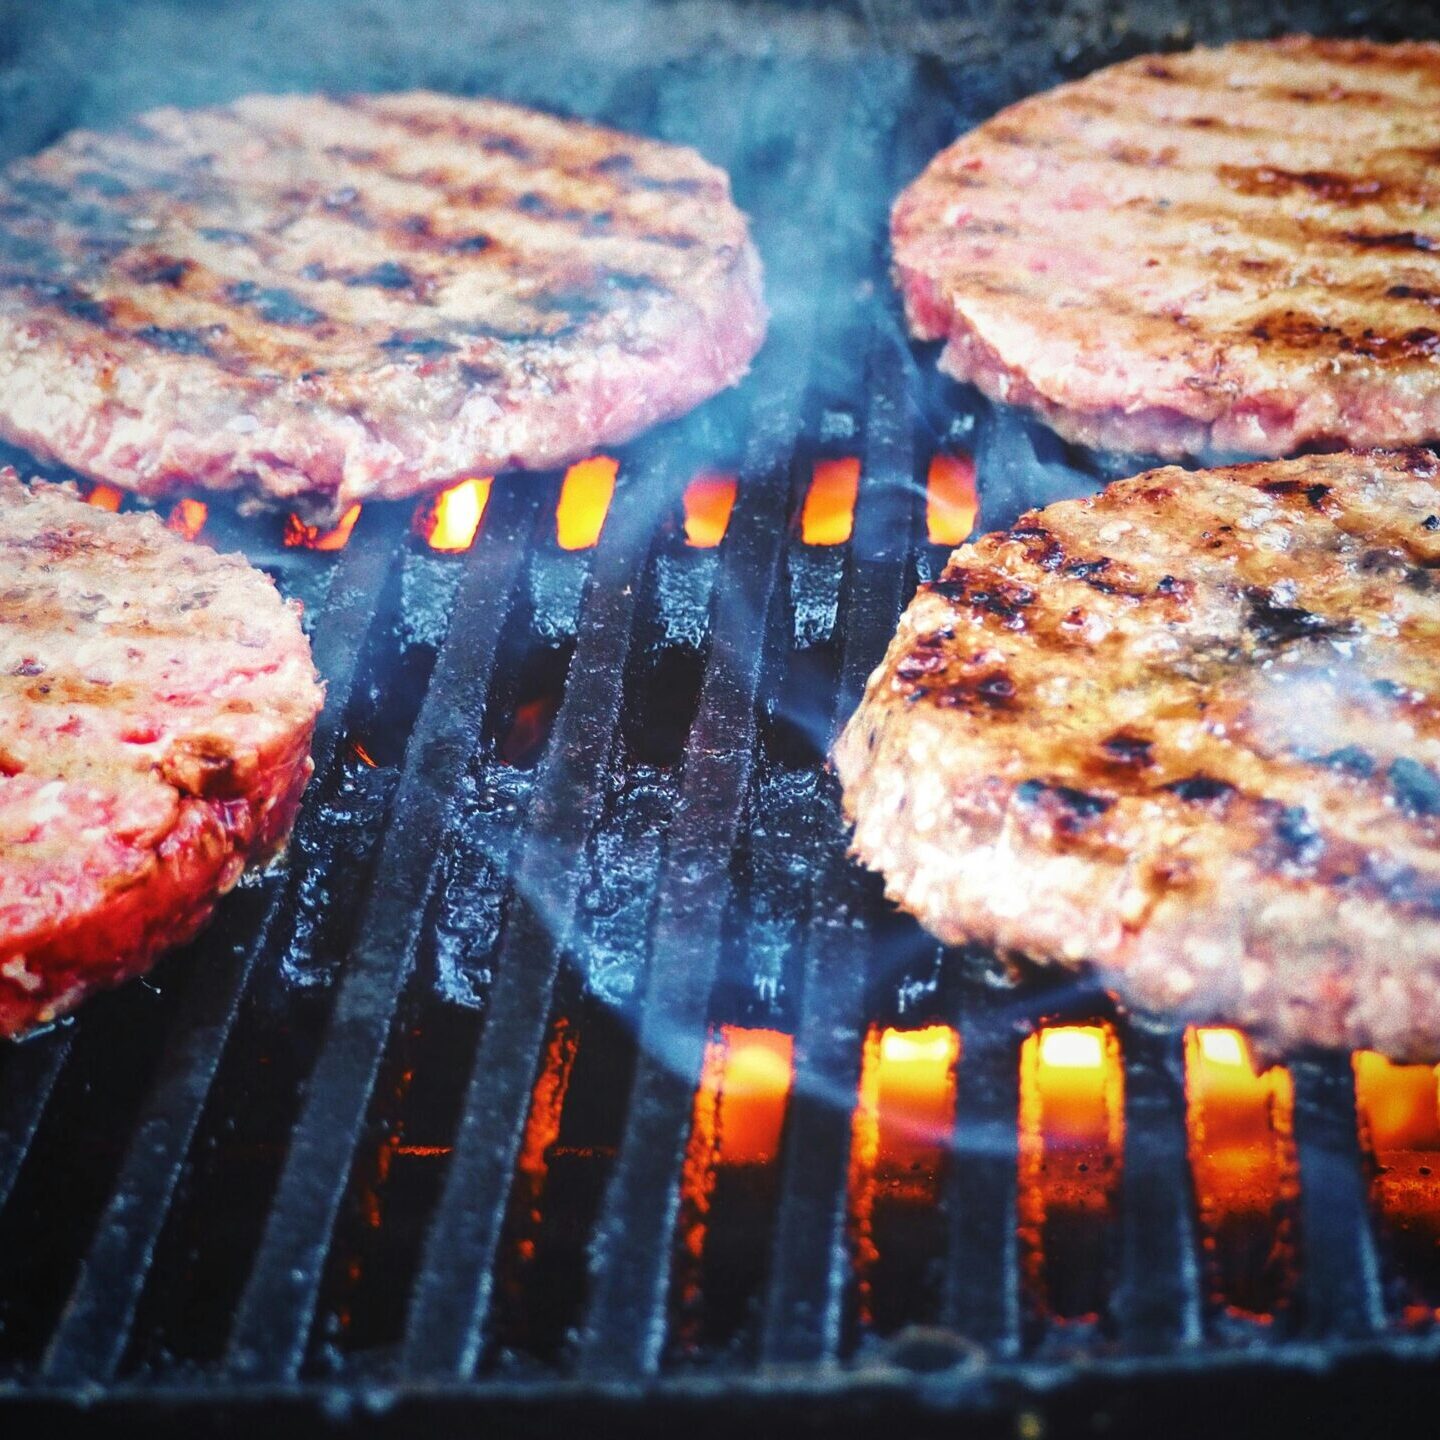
x=425 y=1133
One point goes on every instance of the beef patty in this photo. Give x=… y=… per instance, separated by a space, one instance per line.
x=1187 y=731
x=326 y=300
x=1233 y=250
x=156 y=707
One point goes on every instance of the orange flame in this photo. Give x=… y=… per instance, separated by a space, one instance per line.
x=104 y=497
x=299 y=535
x=452 y=520
x=950 y=501
x=188 y=517
x=542 y=1130
x=362 y=754
x=709 y=499
x=1399 y=1114
x=736 y=1122
x=584 y=502
x=1240 y=1127
x=528 y=730
x=828 y=516
x=899 y=1135
x=1072 y=1129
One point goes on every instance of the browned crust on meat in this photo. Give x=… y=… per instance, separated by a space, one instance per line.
x=1228 y=250
x=1187 y=732
x=157 y=703
x=360 y=296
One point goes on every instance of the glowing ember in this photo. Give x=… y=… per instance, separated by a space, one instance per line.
x=299 y=535
x=529 y=731
x=451 y=521
x=1072 y=1127
x=829 y=513
x=709 y=499
x=187 y=518
x=1073 y=1047
x=1399 y=1115
x=362 y=754
x=950 y=502
x=104 y=497
x=899 y=1138
x=1240 y=1126
x=584 y=502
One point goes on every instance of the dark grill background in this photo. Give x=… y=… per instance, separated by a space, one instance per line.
x=282 y=1171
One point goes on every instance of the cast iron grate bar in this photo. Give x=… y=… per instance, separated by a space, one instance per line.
x=276 y=1306
x=1157 y=1302
x=625 y=1324
x=30 y=1076
x=90 y=1336
x=629 y=1263
x=1340 y=1288
x=980 y=1299
x=451 y=1290
x=809 y=1259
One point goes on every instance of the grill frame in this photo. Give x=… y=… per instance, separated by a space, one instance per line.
x=1159 y=1354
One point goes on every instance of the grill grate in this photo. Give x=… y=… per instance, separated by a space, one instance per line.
x=569 y=819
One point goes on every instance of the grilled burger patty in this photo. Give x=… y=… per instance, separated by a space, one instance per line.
x=156 y=707
x=330 y=299
x=1230 y=250
x=1187 y=731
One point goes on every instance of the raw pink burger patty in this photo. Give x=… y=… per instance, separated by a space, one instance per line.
x=157 y=702
x=328 y=299
x=1229 y=250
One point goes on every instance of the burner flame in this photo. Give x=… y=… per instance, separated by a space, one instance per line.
x=828 y=516
x=187 y=518
x=584 y=502
x=709 y=499
x=104 y=497
x=451 y=522
x=299 y=535
x=950 y=499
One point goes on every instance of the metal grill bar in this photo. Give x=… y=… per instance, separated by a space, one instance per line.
x=30 y=1076
x=630 y=1250
x=1339 y=1273
x=452 y=1289
x=275 y=1309
x=809 y=1262
x=629 y=1271
x=1157 y=1302
x=90 y=1337
x=981 y=1295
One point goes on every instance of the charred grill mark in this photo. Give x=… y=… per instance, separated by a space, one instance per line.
x=68 y=299
x=1069 y=810
x=1350 y=760
x=102 y=183
x=1315 y=493
x=274 y=303
x=1416 y=787
x=1306 y=332
x=1393 y=240
x=1273 y=623
x=1414 y=292
x=1294 y=841
x=989 y=594
x=1133 y=752
x=161 y=270
x=469 y=244
x=1040 y=546
x=179 y=340
x=1201 y=789
x=423 y=346
x=387 y=275
x=1322 y=184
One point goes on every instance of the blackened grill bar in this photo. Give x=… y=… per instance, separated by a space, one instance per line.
x=377 y=966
